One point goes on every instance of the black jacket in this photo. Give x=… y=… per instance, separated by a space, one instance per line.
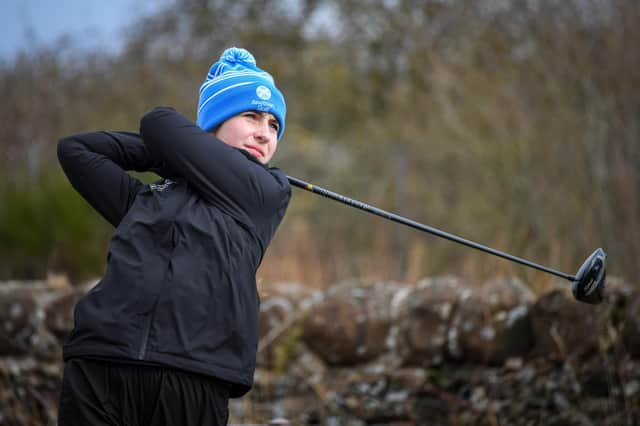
x=179 y=288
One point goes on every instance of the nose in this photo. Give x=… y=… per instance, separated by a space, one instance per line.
x=261 y=132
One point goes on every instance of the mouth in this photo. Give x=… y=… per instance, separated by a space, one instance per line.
x=256 y=152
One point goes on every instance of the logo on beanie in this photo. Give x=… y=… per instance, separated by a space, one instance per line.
x=263 y=92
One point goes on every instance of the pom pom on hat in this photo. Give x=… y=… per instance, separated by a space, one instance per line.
x=234 y=54
x=235 y=84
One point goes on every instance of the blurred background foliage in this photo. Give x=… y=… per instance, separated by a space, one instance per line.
x=512 y=123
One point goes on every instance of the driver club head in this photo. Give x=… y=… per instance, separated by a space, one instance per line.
x=589 y=283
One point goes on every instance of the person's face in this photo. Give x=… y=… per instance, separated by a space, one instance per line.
x=252 y=131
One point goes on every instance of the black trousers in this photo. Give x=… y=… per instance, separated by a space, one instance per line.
x=105 y=393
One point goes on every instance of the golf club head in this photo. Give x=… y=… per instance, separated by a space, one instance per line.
x=589 y=283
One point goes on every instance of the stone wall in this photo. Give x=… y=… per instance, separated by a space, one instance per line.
x=440 y=351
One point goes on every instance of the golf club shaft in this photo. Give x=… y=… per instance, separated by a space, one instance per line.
x=416 y=225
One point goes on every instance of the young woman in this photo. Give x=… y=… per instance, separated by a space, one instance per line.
x=170 y=332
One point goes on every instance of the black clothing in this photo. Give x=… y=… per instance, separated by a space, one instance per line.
x=106 y=394
x=179 y=288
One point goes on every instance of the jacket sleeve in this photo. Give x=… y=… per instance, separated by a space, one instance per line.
x=96 y=165
x=223 y=175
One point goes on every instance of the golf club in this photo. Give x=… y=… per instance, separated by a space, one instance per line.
x=587 y=284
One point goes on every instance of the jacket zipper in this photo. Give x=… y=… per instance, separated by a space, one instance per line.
x=147 y=327
x=147 y=331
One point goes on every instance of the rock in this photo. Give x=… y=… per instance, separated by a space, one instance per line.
x=564 y=327
x=59 y=312
x=631 y=331
x=423 y=316
x=18 y=322
x=590 y=378
x=381 y=397
x=282 y=308
x=280 y=302
x=298 y=409
x=493 y=324
x=431 y=409
x=554 y=387
x=311 y=369
x=58 y=280
x=504 y=293
x=351 y=324
x=278 y=421
x=22 y=330
x=29 y=391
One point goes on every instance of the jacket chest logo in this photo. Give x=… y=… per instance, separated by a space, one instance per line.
x=161 y=186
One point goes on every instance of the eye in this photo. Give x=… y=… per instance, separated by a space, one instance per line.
x=250 y=114
x=275 y=125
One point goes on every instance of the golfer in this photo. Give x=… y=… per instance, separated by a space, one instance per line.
x=170 y=332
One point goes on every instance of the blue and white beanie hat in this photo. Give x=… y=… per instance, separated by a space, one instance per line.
x=234 y=85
